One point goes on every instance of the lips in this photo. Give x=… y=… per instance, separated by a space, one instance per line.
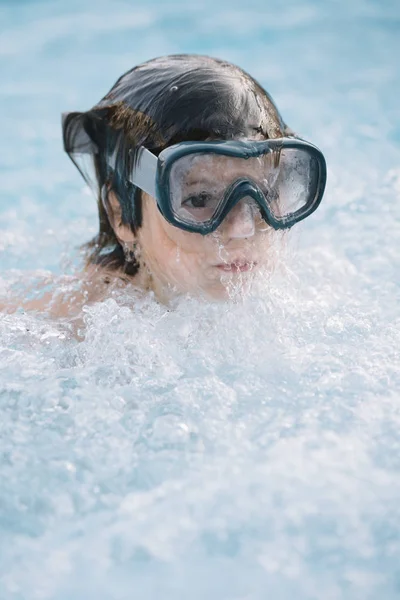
x=237 y=266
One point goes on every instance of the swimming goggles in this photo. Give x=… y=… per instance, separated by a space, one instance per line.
x=196 y=184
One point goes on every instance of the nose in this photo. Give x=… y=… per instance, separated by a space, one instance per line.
x=239 y=222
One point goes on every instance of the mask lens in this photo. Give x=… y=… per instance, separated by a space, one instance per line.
x=292 y=182
x=199 y=182
x=196 y=190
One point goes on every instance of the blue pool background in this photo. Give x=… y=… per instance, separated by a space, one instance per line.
x=241 y=452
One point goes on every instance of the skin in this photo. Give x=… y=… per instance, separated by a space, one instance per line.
x=178 y=261
x=174 y=261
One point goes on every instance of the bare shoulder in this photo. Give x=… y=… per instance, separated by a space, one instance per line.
x=66 y=295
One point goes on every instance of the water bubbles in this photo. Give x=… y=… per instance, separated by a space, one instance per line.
x=207 y=433
x=231 y=450
x=169 y=430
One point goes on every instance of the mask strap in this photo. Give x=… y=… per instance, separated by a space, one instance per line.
x=143 y=173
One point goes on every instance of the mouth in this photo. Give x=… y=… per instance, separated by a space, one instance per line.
x=238 y=266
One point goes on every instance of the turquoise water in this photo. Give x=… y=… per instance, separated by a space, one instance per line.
x=248 y=451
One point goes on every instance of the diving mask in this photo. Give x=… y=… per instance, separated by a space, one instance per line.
x=196 y=184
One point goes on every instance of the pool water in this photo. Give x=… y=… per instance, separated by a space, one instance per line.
x=245 y=451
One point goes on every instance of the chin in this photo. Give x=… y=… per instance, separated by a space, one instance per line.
x=229 y=290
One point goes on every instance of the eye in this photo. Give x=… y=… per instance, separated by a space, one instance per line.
x=202 y=200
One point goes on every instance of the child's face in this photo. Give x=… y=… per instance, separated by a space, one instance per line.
x=212 y=264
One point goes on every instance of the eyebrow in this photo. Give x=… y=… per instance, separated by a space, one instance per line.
x=200 y=181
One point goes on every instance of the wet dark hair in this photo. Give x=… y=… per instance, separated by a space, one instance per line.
x=157 y=104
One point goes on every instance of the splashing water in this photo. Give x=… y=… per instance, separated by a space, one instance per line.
x=241 y=450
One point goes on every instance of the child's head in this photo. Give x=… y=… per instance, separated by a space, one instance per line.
x=159 y=104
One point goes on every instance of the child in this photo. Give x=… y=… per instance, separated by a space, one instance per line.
x=194 y=171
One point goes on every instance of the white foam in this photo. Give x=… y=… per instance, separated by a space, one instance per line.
x=240 y=450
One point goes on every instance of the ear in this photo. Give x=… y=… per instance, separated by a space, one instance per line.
x=112 y=206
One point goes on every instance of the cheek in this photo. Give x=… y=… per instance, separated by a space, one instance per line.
x=187 y=260
x=169 y=252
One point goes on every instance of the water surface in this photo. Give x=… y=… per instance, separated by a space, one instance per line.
x=243 y=451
